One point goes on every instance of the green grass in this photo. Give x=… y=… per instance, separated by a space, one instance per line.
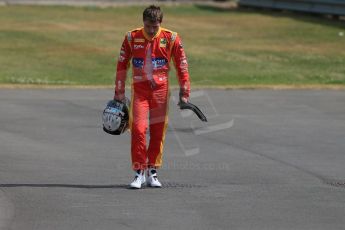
x=79 y=46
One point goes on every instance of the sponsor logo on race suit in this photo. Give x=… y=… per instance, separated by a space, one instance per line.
x=138 y=62
x=158 y=63
x=183 y=63
x=121 y=58
x=138 y=77
x=138 y=46
x=163 y=43
x=142 y=40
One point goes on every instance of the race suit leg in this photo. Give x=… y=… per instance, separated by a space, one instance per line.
x=158 y=124
x=138 y=125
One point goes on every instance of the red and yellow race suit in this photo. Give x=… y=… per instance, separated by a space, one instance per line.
x=150 y=89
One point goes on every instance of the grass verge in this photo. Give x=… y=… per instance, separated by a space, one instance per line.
x=74 y=46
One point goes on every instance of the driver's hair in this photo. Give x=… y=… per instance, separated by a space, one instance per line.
x=153 y=14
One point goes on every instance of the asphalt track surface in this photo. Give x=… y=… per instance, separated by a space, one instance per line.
x=267 y=159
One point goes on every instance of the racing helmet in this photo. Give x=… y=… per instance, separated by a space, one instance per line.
x=116 y=117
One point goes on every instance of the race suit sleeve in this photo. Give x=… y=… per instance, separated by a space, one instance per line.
x=181 y=65
x=121 y=70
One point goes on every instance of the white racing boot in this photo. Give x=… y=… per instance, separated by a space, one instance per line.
x=152 y=179
x=139 y=179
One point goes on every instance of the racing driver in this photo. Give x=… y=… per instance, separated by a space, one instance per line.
x=150 y=50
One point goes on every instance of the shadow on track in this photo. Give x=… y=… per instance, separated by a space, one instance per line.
x=120 y=186
x=166 y=185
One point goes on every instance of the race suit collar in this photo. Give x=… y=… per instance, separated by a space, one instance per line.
x=148 y=37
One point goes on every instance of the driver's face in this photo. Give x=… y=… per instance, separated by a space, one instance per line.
x=151 y=28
